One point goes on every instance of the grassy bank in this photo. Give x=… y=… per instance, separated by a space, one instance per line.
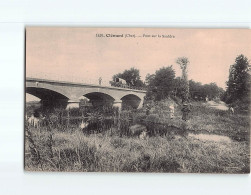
x=55 y=148
x=205 y=119
x=101 y=152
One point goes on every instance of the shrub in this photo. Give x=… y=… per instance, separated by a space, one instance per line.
x=152 y=124
x=125 y=121
x=139 y=118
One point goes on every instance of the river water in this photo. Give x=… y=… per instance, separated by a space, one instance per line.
x=210 y=137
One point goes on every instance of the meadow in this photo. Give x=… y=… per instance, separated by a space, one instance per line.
x=167 y=148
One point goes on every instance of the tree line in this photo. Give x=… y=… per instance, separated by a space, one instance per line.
x=163 y=83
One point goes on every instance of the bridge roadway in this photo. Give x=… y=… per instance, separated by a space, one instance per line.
x=53 y=92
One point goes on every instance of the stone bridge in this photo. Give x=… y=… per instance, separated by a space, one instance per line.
x=69 y=94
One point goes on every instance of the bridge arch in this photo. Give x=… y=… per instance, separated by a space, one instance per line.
x=131 y=100
x=45 y=94
x=99 y=98
x=48 y=97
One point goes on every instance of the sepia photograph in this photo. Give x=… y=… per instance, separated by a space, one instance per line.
x=159 y=100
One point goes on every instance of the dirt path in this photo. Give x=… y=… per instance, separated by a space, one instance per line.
x=220 y=106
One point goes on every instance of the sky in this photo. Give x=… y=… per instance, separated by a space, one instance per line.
x=76 y=54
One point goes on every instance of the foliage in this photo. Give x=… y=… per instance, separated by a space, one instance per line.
x=152 y=124
x=200 y=92
x=239 y=82
x=139 y=117
x=197 y=91
x=160 y=85
x=51 y=149
x=184 y=84
x=125 y=121
x=163 y=84
x=131 y=76
x=181 y=89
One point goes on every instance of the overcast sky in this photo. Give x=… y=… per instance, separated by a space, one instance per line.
x=77 y=55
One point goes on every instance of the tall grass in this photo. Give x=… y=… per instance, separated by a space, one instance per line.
x=110 y=147
x=97 y=152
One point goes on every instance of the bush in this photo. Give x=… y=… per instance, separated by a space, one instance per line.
x=152 y=124
x=139 y=118
x=125 y=122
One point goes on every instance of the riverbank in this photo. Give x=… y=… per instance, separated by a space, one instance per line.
x=213 y=142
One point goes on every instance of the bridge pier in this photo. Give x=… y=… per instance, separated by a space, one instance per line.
x=72 y=103
x=118 y=104
x=141 y=104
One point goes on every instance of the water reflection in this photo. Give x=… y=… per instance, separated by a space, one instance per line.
x=210 y=137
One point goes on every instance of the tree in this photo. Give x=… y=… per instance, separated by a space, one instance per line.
x=183 y=62
x=238 y=84
x=177 y=92
x=212 y=91
x=149 y=79
x=200 y=92
x=161 y=84
x=196 y=90
x=131 y=76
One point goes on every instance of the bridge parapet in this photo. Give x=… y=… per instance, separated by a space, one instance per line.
x=30 y=79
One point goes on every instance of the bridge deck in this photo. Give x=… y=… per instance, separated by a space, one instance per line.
x=82 y=84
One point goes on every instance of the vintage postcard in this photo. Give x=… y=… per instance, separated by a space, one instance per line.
x=137 y=100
